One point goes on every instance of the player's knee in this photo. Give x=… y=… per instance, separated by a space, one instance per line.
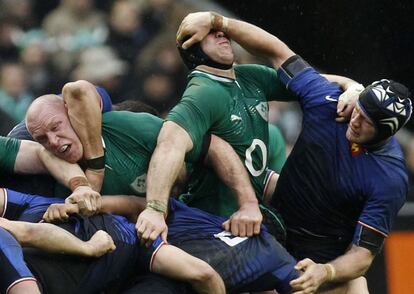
x=25 y=234
x=358 y=286
x=203 y=272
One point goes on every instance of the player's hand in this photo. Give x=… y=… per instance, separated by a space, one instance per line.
x=59 y=212
x=88 y=200
x=195 y=26
x=246 y=221
x=314 y=275
x=347 y=101
x=95 y=178
x=150 y=225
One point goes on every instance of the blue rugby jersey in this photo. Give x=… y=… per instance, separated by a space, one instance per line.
x=328 y=187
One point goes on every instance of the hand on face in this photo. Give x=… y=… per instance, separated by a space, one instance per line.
x=194 y=28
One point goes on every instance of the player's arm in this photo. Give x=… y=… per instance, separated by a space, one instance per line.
x=54 y=239
x=166 y=162
x=126 y=205
x=254 y=39
x=353 y=264
x=228 y=166
x=84 y=110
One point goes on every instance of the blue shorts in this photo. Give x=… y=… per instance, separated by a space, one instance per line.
x=246 y=264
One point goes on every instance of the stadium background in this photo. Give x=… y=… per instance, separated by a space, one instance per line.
x=128 y=47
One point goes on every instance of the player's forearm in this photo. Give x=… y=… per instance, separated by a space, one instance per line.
x=354 y=263
x=84 y=110
x=258 y=42
x=166 y=162
x=61 y=170
x=344 y=82
x=126 y=205
x=228 y=166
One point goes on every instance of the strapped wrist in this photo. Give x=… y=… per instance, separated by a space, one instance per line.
x=330 y=271
x=78 y=181
x=218 y=22
x=157 y=206
x=96 y=163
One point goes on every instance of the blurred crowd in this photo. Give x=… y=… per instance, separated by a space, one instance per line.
x=126 y=46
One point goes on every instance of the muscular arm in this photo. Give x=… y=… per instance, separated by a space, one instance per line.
x=252 y=38
x=32 y=158
x=349 y=266
x=360 y=260
x=167 y=160
x=84 y=110
x=128 y=206
x=228 y=166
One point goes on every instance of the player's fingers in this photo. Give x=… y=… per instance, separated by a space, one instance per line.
x=256 y=228
x=341 y=106
x=302 y=264
x=55 y=215
x=234 y=227
x=226 y=225
x=192 y=40
x=249 y=228
x=72 y=199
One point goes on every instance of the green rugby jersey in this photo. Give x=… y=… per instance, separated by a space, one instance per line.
x=9 y=147
x=129 y=139
x=235 y=110
x=208 y=192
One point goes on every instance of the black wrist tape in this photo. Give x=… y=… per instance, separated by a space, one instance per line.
x=96 y=163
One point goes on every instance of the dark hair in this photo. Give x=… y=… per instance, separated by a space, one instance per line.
x=135 y=106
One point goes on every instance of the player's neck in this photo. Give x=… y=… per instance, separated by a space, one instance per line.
x=226 y=73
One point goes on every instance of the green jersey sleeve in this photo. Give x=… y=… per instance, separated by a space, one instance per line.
x=199 y=109
x=9 y=147
x=265 y=79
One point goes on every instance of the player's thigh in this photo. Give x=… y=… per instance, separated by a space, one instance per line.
x=355 y=286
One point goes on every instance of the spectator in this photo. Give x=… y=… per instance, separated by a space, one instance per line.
x=15 y=96
x=101 y=66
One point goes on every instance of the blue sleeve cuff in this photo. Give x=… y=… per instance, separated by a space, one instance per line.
x=105 y=98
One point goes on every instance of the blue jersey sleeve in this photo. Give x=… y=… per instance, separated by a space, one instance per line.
x=389 y=187
x=313 y=89
x=106 y=101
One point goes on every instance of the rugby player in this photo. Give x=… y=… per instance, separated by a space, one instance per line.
x=229 y=101
x=61 y=274
x=343 y=184
x=129 y=139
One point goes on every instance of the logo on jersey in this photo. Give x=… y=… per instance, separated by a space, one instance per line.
x=356 y=149
x=139 y=185
x=329 y=98
x=263 y=109
x=234 y=117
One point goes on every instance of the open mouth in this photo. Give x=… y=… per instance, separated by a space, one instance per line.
x=64 y=149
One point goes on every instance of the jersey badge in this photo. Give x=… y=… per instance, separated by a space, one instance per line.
x=356 y=149
x=140 y=184
x=263 y=109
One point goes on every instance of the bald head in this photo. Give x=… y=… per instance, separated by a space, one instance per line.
x=41 y=108
x=48 y=122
